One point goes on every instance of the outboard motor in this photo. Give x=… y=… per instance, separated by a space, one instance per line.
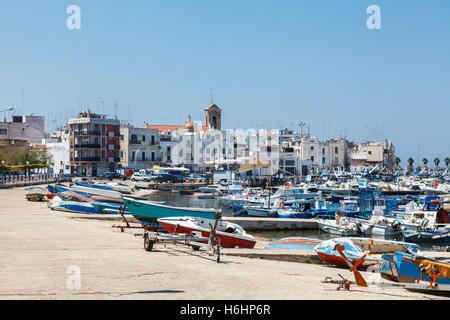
x=359 y=227
x=396 y=225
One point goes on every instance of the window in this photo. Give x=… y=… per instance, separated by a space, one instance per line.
x=312 y=158
x=312 y=148
x=143 y=137
x=323 y=150
x=121 y=153
x=336 y=150
x=153 y=156
x=143 y=156
x=121 y=137
x=153 y=140
x=133 y=155
x=3 y=131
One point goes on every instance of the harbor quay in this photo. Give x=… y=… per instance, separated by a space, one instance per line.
x=56 y=255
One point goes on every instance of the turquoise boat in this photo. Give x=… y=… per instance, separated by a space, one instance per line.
x=149 y=211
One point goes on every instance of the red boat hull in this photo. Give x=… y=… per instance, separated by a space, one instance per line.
x=339 y=261
x=226 y=241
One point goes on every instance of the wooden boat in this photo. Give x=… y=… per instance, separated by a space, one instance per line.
x=230 y=235
x=150 y=211
x=88 y=191
x=73 y=196
x=99 y=198
x=57 y=188
x=35 y=193
x=93 y=185
x=355 y=248
x=407 y=268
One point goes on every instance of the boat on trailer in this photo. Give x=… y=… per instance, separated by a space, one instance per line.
x=150 y=211
x=229 y=234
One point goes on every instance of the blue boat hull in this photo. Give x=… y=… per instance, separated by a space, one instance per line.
x=400 y=267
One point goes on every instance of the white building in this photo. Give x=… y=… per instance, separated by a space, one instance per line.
x=58 y=145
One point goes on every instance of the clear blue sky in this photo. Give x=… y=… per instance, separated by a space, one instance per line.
x=270 y=63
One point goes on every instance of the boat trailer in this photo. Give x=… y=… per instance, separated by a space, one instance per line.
x=194 y=240
x=145 y=226
x=344 y=283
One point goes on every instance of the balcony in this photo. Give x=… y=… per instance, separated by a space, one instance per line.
x=135 y=141
x=86 y=159
x=86 y=133
x=87 y=146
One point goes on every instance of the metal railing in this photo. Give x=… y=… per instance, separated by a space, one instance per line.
x=12 y=181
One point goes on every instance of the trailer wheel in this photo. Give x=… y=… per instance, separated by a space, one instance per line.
x=148 y=244
x=195 y=248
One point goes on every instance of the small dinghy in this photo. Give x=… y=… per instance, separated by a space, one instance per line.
x=35 y=193
x=231 y=235
x=356 y=248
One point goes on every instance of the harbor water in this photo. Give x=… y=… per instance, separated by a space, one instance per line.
x=178 y=200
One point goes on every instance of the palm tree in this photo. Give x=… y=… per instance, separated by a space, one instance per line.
x=410 y=165
x=397 y=161
x=447 y=162
x=436 y=162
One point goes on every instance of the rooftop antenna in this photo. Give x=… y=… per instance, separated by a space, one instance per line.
x=115 y=108
x=23 y=100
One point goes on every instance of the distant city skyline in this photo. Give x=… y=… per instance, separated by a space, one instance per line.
x=270 y=65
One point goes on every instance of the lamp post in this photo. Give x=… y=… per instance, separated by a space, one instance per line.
x=6 y=110
x=301 y=125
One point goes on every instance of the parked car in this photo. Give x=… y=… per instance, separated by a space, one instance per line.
x=140 y=177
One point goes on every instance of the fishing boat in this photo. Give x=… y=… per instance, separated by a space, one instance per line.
x=300 y=210
x=187 y=192
x=35 y=193
x=201 y=195
x=411 y=268
x=356 y=248
x=437 y=236
x=74 y=206
x=213 y=188
x=261 y=212
x=150 y=211
x=342 y=225
x=230 y=235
